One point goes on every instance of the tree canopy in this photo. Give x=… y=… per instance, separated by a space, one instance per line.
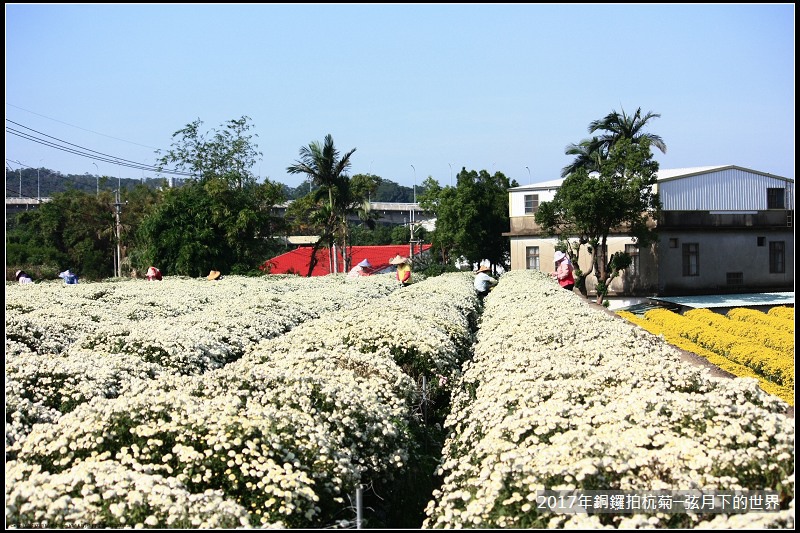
x=221 y=220
x=615 y=126
x=470 y=217
x=74 y=230
x=618 y=196
x=325 y=168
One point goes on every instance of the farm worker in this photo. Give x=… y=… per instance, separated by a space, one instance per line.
x=153 y=274
x=360 y=269
x=68 y=277
x=214 y=275
x=403 y=269
x=563 y=272
x=483 y=282
x=23 y=277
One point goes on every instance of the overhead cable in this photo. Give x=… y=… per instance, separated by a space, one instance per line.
x=86 y=152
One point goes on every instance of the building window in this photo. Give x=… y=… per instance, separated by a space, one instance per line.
x=735 y=278
x=532 y=258
x=775 y=198
x=777 y=257
x=633 y=251
x=673 y=243
x=531 y=204
x=762 y=241
x=691 y=259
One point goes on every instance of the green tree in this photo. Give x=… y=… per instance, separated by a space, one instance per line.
x=471 y=217
x=139 y=202
x=219 y=220
x=589 y=153
x=619 y=198
x=352 y=198
x=617 y=126
x=442 y=202
x=74 y=230
x=381 y=234
x=323 y=166
x=310 y=215
x=588 y=156
x=229 y=154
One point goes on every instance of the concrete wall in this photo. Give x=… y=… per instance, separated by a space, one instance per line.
x=721 y=252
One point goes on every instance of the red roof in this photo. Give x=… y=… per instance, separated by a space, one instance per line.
x=297 y=261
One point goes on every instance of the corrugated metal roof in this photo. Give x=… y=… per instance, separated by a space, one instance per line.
x=719 y=189
x=678 y=173
x=670 y=173
x=662 y=175
x=298 y=260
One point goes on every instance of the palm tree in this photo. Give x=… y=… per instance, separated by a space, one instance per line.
x=624 y=126
x=322 y=165
x=591 y=153
x=353 y=197
x=587 y=155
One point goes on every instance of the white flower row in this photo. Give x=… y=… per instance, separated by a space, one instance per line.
x=284 y=433
x=105 y=492
x=560 y=396
x=67 y=343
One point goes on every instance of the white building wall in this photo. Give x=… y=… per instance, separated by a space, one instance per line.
x=517 y=200
x=722 y=252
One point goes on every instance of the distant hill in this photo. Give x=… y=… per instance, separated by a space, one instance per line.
x=45 y=182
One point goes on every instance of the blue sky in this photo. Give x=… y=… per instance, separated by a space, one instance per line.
x=416 y=89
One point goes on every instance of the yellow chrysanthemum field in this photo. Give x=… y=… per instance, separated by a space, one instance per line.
x=276 y=402
x=744 y=342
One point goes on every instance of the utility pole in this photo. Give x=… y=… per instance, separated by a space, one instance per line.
x=38 y=183
x=21 y=164
x=118 y=256
x=412 y=218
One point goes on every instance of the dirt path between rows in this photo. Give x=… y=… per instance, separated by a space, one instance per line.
x=689 y=357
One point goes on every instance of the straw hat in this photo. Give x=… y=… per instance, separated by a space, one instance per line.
x=215 y=274
x=365 y=264
x=483 y=268
x=399 y=260
x=559 y=256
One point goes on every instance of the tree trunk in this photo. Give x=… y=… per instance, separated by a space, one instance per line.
x=313 y=261
x=602 y=271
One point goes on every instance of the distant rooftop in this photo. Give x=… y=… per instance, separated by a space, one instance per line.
x=662 y=175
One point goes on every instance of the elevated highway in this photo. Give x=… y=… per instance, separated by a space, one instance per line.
x=393 y=213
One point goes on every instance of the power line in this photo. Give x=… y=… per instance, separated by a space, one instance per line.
x=78 y=127
x=86 y=152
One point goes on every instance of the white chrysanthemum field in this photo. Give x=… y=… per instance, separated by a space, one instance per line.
x=266 y=402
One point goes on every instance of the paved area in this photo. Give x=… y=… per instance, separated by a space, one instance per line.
x=710 y=301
